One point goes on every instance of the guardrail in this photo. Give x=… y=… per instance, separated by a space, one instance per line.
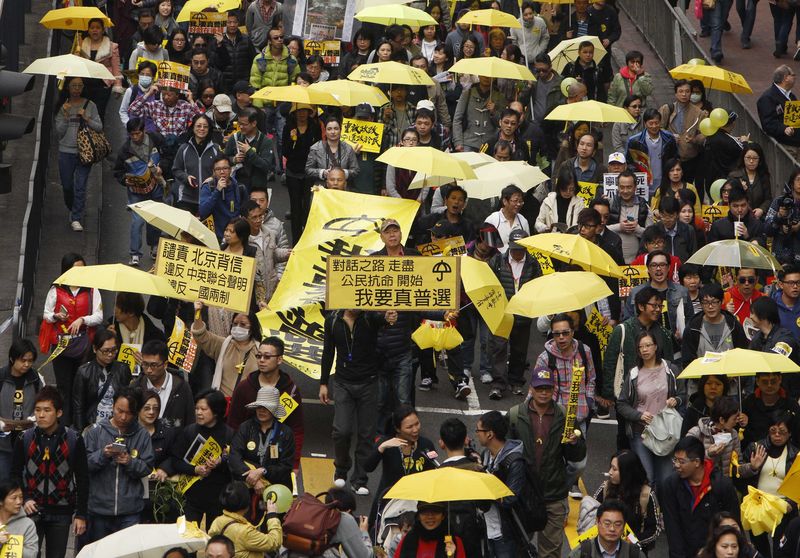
x=673 y=38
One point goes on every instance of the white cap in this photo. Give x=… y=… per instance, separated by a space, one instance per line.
x=223 y=103
x=427 y=105
x=617 y=157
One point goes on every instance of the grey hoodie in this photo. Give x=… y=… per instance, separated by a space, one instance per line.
x=21 y=524
x=117 y=489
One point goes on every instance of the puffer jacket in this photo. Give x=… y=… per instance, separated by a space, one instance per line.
x=625 y=84
x=696 y=342
x=249 y=541
x=629 y=395
x=268 y=72
x=275 y=225
x=704 y=432
x=193 y=160
x=33 y=383
x=240 y=52
x=472 y=124
x=269 y=256
x=86 y=387
x=117 y=489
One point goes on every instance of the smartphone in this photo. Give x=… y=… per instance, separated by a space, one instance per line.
x=62 y=310
x=119 y=447
x=629 y=218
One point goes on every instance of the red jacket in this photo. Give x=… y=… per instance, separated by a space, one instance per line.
x=741 y=307
x=77 y=306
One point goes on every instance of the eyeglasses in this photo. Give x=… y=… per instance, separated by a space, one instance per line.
x=680 y=461
x=264 y=356
x=615 y=524
x=278 y=38
x=410 y=140
x=791 y=283
x=111 y=351
x=777 y=430
x=747 y=280
x=564 y=333
x=752 y=158
x=646 y=345
x=654 y=304
x=151 y=365
x=635 y=106
x=658 y=265
x=712 y=302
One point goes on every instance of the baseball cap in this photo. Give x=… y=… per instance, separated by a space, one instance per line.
x=389 y=223
x=364 y=110
x=513 y=237
x=541 y=378
x=427 y=105
x=222 y=103
x=242 y=86
x=444 y=229
x=617 y=157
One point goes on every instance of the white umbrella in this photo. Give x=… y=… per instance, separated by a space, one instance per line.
x=68 y=65
x=142 y=541
x=492 y=178
x=474 y=159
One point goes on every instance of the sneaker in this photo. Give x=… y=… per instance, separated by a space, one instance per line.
x=575 y=492
x=462 y=391
x=495 y=394
x=518 y=390
x=134 y=261
x=486 y=378
x=76 y=226
x=361 y=490
x=746 y=45
x=339 y=482
x=425 y=384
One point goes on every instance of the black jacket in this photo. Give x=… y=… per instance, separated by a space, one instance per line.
x=86 y=387
x=394 y=465
x=723 y=229
x=502 y=269
x=521 y=152
x=244 y=450
x=162 y=440
x=241 y=53
x=179 y=411
x=151 y=331
x=356 y=355
x=759 y=417
x=126 y=153
x=683 y=244
x=395 y=340
x=612 y=243
x=205 y=492
x=786 y=343
x=770 y=112
x=695 y=410
x=722 y=155
x=692 y=334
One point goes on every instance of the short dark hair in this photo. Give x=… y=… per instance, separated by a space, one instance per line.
x=627 y=173
x=129 y=395
x=51 y=394
x=242 y=229
x=653 y=233
x=655 y=254
x=509 y=112
x=542 y=57
x=651 y=114
x=135 y=124
x=152 y=35
x=788 y=269
x=250 y=113
x=215 y=400
x=737 y=194
x=343 y=497
x=247 y=207
x=101 y=336
x=630 y=99
x=180 y=550
x=562 y=317
x=218 y=158
x=634 y=55
x=643 y=296
x=273 y=341
x=600 y=201
x=145 y=64
x=495 y=422
x=688 y=269
x=156 y=347
x=589 y=215
x=765 y=308
x=19 y=348
x=679 y=83
x=612 y=505
x=724 y=408
x=130 y=303
x=456 y=188
x=712 y=290
x=314 y=59
x=223 y=540
x=453 y=433
x=584 y=44
x=669 y=205
x=508 y=192
x=401 y=413
x=235 y=496
x=198 y=50
x=692 y=446
x=9 y=486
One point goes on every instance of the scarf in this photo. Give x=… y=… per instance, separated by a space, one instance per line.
x=418 y=533
x=626 y=73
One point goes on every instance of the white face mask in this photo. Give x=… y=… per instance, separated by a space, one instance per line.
x=240 y=333
x=695 y=97
x=145 y=81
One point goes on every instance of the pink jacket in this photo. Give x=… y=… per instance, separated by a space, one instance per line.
x=107 y=55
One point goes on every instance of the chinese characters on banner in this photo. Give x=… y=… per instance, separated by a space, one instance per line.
x=544 y=262
x=594 y=324
x=173 y=75
x=207 y=23
x=214 y=277
x=791 y=114
x=572 y=404
x=393 y=283
x=330 y=51
x=182 y=346
x=711 y=213
x=453 y=246
x=586 y=191
x=302 y=332
x=13 y=547
x=632 y=275
x=368 y=134
x=610 y=188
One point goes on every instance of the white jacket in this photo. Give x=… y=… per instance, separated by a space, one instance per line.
x=548 y=213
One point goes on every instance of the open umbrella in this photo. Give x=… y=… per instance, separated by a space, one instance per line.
x=738 y=362
x=492 y=67
x=436 y=335
x=361 y=4
x=395 y=14
x=484 y=290
x=713 y=77
x=144 y=541
x=351 y=93
x=762 y=512
x=474 y=159
x=193 y=6
x=735 y=253
x=390 y=72
x=567 y=51
x=492 y=178
x=574 y=249
x=174 y=221
x=490 y=18
x=790 y=487
x=448 y=484
x=426 y=160
x=75 y=18
x=68 y=65
x=558 y=292
x=118 y=278
x=590 y=111
x=296 y=94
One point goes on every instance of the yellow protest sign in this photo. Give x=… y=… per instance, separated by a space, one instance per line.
x=330 y=51
x=632 y=275
x=587 y=191
x=711 y=213
x=301 y=330
x=594 y=324
x=207 y=23
x=127 y=354
x=13 y=547
x=361 y=132
x=393 y=283
x=202 y=451
x=791 y=114
x=63 y=341
x=199 y=273
x=289 y=404
x=544 y=262
x=182 y=346
x=572 y=404
x=453 y=246
x=173 y=75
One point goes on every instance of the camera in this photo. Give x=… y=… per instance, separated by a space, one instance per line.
x=787 y=202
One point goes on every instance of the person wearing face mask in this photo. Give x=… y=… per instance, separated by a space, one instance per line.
x=146 y=72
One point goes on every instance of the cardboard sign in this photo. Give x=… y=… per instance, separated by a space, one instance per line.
x=587 y=191
x=214 y=277
x=594 y=324
x=182 y=346
x=610 y=185
x=632 y=275
x=289 y=404
x=791 y=114
x=453 y=246
x=127 y=354
x=393 y=283
x=173 y=75
x=330 y=51
x=302 y=332
x=544 y=262
x=13 y=547
x=368 y=134
x=207 y=23
x=711 y=213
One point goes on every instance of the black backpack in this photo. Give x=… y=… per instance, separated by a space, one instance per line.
x=529 y=513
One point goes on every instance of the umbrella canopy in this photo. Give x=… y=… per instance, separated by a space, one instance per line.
x=143 y=541
x=390 y=72
x=395 y=14
x=574 y=249
x=426 y=160
x=558 y=292
x=713 y=77
x=75 y=18
x=351 y=93
x=790 y=487
x=493 y=67
x=174 y=221
x=492 y=178
x=474 y=159
x=590 y=111
x=118 y=278
x=448 y=484
x=738 y=362
x=761 y=511
x=484 y=290
x=437 y=335
x=567 y=51
x=735 y=253
x=361 y=4
x=68 y=65
x=296 y=94
x=490 y=18
x=199 y=5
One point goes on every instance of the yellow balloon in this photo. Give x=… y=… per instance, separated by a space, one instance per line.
x=697 y=62
x=279 y=494
x=719 y=117
x=707 y=127
x=565 y=84
x=715 y=191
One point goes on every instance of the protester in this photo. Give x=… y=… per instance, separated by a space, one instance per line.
x=250 y=542
x=611 y=516
x=720 y=436
x=162 y=438
x=176 y=408
x=15 y=521
x=428 y=535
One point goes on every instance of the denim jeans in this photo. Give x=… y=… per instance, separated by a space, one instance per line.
x=73 y=176
x=103 y=525
x=54 y=531
x=151 y=232
x=719 y=15
x=747 y=14
x=504 y=547
x=657 y=468
x=395 y=386
x=355 y=410
x=782 y=24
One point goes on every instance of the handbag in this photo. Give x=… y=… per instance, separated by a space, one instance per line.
x=663 y=433
x=93 y=146
x=78 y=346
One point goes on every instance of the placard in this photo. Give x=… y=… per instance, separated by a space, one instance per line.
x=791 y=114
x=213 y=277
x=127 y=354
x=14 y=547
x=453 y=246
x=594 y=324
x=173 y=75
x=544 y=262
x=632 y=275
x=207 y=23
x=330 y=51
x=182 y=346
x=711 y=213
x=411 y=283
x=368 y=134
x=610 y=187
x=587 y=191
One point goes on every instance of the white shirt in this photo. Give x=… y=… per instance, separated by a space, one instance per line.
x=163 y=392
x=504 y=227
x=93 y=319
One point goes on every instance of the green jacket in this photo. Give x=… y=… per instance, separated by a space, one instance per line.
x=618 y=90
x=268 y=72
x=552 y=470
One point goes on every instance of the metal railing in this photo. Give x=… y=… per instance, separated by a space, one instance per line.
x=673 y=38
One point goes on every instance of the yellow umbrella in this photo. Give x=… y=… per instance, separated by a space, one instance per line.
x=173 y=221
x=567 y=51
x=574 y=249
x=484 y=290
x=448 y=484
x=590 y=111
x=558 y=292
x=68 y=65
x=395 y=14
x=790 y=487
x=296 y=94
x=490 y=18
x=713 y=77
x=762 y=512
x=738 y=362
x=492 y=178
x=75 y=18
x=390 y=72
x=118 y=278
x=426 y=160
x=474 y=159
x=361 y=4
x=493 y=67
x=351 y=93
x=193 y=6
x=436 y=335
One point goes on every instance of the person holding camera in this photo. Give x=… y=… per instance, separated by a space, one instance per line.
x=782 y=222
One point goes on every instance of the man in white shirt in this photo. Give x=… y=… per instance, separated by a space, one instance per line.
x=177 y=403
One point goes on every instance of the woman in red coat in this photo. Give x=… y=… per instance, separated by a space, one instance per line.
x=429 y=537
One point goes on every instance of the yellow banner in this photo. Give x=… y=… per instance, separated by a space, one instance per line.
x=288 y=403
x=127 y=354
x=207 y=23
x=331 y=51
x=594 y=324
x=173 y=75
x=361 y=132
x=711 y=213
x=632 y=275
x=301 y=330
x=214 y=277
x=414 y=283
x=13 y=547
x=587 y=191
x=205 y=453
x=453 y=246
x=572 y=404
x=63 y=341
x=182 y=346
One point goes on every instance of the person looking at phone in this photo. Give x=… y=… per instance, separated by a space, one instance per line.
x=629 y=215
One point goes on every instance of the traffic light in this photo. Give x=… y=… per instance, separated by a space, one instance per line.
x=12 y=126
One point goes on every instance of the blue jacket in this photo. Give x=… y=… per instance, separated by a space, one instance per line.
x=223 y=205
x=789 y=316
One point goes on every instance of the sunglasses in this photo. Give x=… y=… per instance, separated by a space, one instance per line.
x=746 y=280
